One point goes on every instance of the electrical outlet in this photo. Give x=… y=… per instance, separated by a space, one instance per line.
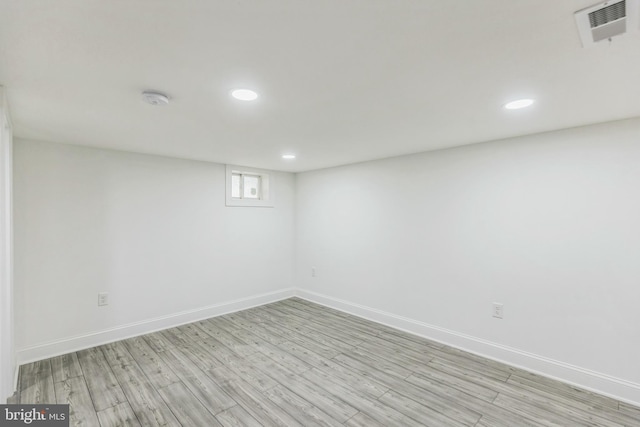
x=313 y=272
x=498 y=310
x=103 y=298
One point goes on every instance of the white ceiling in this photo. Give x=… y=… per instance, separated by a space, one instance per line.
x=340 y=81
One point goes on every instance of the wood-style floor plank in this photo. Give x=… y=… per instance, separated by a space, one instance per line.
x=174 y=337
x=299 y=408
x=36 y=383
x=323 y=399
x=542 y=416
x=556 y=387
x=296 y=363
x=188 y=410
x=236 y=416
x=558 y=404
x=102 y=384
x=256 y=324
x=65 y=367
x=74 y=391
x=143 y=397
x=363 y=420
x=204 y=353
x=325 y=326
x=628 y=410
x=350 y=396
x=201 y=386
x=255 y=403
x=423 y=389
x=276 y=353
x=120 y=415
x=379 y=363
x=428 y=379
x=364 y=328
x=396 y=356
x=157 y=342
x=14 y=399
x=363 y=384
x=505 y=421
x=286 y=322
x=157 y=371
x=226 y=357
x=423 y=413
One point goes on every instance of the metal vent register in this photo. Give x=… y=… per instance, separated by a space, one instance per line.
x=607 y=14
x=607 y=20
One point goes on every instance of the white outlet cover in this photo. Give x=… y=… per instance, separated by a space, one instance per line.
x=103 y=298
x=498 y=310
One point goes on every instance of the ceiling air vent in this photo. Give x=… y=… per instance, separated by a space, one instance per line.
x=606 y=20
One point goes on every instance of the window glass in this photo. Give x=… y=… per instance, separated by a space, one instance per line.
x=251 y=186
x=235 y=185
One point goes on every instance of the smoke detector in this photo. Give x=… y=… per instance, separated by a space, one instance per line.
x=606 y=20
x=155 y=98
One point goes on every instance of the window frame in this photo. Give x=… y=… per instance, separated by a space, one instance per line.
x=265 y=191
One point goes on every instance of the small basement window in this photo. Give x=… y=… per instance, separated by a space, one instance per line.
x=248 y=187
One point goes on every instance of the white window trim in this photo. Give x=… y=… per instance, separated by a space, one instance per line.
x=267 y=190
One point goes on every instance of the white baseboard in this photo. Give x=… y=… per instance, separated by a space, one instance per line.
x=616 y=388
x=81 y=342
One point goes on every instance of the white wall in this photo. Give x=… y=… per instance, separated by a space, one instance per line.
x=152 y=231
x=548 y=225
x=7 y=354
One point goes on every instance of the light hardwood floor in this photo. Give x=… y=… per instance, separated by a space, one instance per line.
x=294 y=363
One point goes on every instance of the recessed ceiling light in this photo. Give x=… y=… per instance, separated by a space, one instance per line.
x=155 y=98
x=288 y=156
x=244 y=94
x=519 y=103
